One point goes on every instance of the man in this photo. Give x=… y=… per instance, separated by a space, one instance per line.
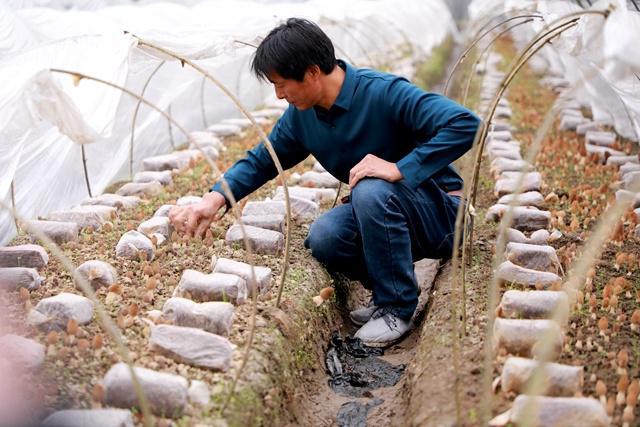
x=390 y=141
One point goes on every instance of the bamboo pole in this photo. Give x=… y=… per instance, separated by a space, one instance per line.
x=455 y=301
x=246 y=43
x=274 y=156
x=466 y=235
x=202 y=110
x=264 y=138
x=171 y=141
x=474 y=42
x=13 y=202
x=135 y=116
x=335 y=201
x=457 y=287
x=485 y=50
x=84 y=168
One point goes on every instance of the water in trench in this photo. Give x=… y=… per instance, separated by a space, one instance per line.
x=354 y=370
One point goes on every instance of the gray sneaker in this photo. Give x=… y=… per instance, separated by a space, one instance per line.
x=383 y=329
x=362 y=315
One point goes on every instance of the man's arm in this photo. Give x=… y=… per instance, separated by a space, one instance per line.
x=250 y=173
x=444 y=128
x=245 y=176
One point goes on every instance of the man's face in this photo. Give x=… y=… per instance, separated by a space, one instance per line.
x=303 y=95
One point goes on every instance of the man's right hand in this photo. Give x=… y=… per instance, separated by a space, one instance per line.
x=194 y=220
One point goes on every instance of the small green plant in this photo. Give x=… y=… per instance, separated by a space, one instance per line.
x=473 y=415
x=431 y=71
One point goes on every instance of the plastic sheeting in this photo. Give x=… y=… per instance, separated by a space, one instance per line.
x=600 y=58
x=46 y=117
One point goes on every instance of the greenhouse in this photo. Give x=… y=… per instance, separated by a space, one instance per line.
x=319 y=213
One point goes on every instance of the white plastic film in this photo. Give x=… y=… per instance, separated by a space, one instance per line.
x=600 y=57
x=44 y=117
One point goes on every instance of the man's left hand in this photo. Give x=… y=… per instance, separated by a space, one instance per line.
x=374 y=167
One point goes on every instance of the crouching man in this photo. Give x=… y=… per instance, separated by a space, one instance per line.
x=390 y=141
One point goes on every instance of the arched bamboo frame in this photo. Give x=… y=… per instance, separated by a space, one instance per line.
x=135 y=116
x=228 y=194
x=475 y=41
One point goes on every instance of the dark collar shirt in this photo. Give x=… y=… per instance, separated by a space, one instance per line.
x=374 y=113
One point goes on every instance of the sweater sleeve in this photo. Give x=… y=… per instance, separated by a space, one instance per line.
x=445 y=130
x=256 y=168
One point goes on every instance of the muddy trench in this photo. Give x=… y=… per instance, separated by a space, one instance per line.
x=354 y=385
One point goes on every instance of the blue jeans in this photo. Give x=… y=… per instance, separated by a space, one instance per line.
x=377 y=236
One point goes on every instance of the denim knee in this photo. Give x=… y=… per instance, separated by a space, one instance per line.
x=371 y=194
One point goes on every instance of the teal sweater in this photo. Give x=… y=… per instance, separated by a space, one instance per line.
x=374 y=113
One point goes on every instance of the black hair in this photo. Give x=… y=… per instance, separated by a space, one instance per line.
x=291 y=48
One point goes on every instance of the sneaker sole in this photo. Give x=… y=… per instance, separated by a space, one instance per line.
x=381 y=344
x=388 y=343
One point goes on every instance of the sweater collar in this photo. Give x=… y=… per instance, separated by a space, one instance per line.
x=348 y=86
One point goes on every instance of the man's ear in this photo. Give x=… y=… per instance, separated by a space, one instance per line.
x=314 y=72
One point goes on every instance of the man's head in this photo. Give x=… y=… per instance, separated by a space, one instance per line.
x=294 y=56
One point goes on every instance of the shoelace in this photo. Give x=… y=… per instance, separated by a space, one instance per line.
x=388 y=315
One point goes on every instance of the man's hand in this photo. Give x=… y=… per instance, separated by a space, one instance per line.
x=374 y=167
x=194 y=220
